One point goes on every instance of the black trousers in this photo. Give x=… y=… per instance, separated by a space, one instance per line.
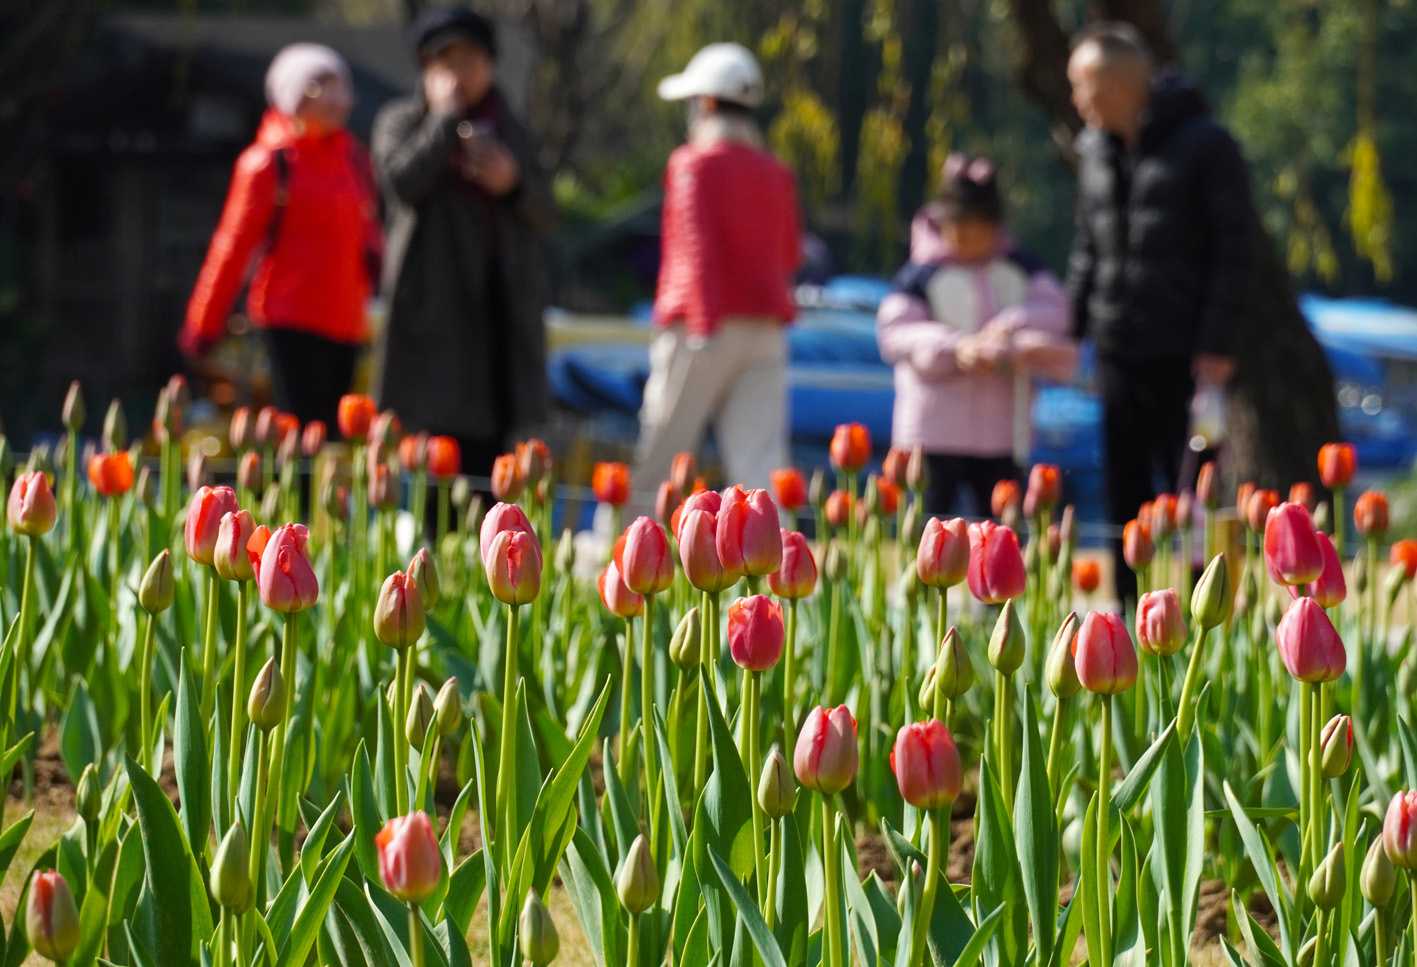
x=949 y=471
x=1146 y=421
x=309 y=374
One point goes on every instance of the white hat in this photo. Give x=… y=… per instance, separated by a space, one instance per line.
x=724 y=71
x=294 y=68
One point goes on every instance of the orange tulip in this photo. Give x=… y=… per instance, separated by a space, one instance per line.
x=683 y=471
x=1087 y=575
x=444 y=458
x=1404 y=555
x=1257 y=510
x=1137 y=548
x=896 y=464
x=790 y=488
x=850 y=447
x=1370 y=514
x=507 y=480
x=611 y=483
x=1207 y=487
x=1337 y=463
x=111 y=473
x=535 y=459
x=356 y=412
x=1007 y=493
x=838 y=508
x=1045 y=489
x=1302 y=493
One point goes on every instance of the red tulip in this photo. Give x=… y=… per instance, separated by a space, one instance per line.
x=706 y=500
x=209 y=505
x=683 y=470
x=1400 y=831
x=1309 y=644
x=312 y=441
x=1257 y=510
x=513 y=566
x=1161 y=629
x=838 y=509
x=1207 y=488
x=1303 y=494
x=611 y=483
x=825 y=757
x=748 y=534
x=888 y=497
x=790 y=488
x=230 y=556
x=255 y=547
x=1137 y=548
x=507 y=480
x=894 y=467
x=927 y=765
x=413 y=451
x=1370 y=514
x=667 y=500
x=755 y=632
x=30 y=509
x=850 y=447
x=1103 y=652
x=1007 y=493
x=248 y=471
x=1045 y=489
x=410 y=863
x=241 y=431
x=398 y=613
x=797 y=577
x=285 y=578
x=1404 y=555
x=444 y=458
x=618 y=599
x=996 y=571
x=1337 y=463
x=1087 y=575
x=698 y=552
x=942 y=560
x=51 y=917
x=645 y=561
x=1331 y=587
x=111 y=473
x=287 y=428
x=1292 y=552
x=502 y=517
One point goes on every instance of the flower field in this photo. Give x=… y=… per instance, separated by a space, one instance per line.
x=300 y=731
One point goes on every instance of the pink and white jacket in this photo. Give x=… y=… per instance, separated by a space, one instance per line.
x=938 y=301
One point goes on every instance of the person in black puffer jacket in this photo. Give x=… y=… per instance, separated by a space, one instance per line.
x=1159 y=266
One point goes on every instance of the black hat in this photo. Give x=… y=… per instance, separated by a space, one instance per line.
x=441 y=26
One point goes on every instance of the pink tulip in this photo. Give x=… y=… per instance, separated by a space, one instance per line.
x=51 y=917
x=749 y=537
x=996 y=571
x=1103 y=652
x=1161 y=629
x=1331 y=588
x=230 y=556
x=1292 y=552
x=825 y=757
x=1400 y=830
x=755 y=632
x=942 y=560
x=284 y=576
x=513 y=565
x=705 y=500
x=30 y=509
x=646 y=563
x=410 y=863
x=502 y=517
x=399 y=620
x=797 y=578
x=209 y=505
x=927 y=765
x=698 y=551
x=618 y=599
x=1309 y=644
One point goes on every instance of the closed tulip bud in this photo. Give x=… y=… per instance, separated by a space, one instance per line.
x=270 y=502
x=1137 y=547
x=289 y=452
x=502 y=517
x=1105 y=657
x=31 y=509
x=1303 y=494
x=383 y=486
x=284 y=576
x=540 y=942
x=1323 y=517
x=88 y=795
x=818 y=490
x=51 y=918
x=231 y=870
x=953 y=671
x=410 y=863
x=1378 y=879
x=838 y=509
x=777 y=793
x=1309 y=644
x=1163 y=515
x=267 y=433
x=912 y=525
x=685 y=644
x=682 y=471
x=834 y=562
x=146 y=488
x=1061 y=666
x=447 y=708
x=1006 y=494
x=514 y=567
x=157 y=589
x=265 y=706
x=229 y=557
x=7 y=458
x=748 y=535
x=1161 y=629
x=789 y=487
x=475 y=514
x=461 y=493
x=1370 y=514
x=248 y=471
x=398 y=613
x=1400 y=830
x=1393 y=583
x=423 y=572
x=996 y=568
x=1032 y=557
x=1308 y=952
x=565 y=559
x=421 y=716
x=41 y=461
x=1249 y=596
x=644 y=558
x=1007 y=643
x=115 y=427
x=356 y=413
x=1274 y=610
x=209 y=505
x=755 y=632
x=241 y=431
x=917 y=469
x=942 y=558
x=618 y=599
x=1207 y=486
x=199 y=476
x=926 y=764
x=1330 y=589
x=1403 y=558
x=1337 y=464
x=870 y=531
x=1213 y=599
x=386 y=431
x=1292 y=552
x=871 y=496
x=826 y=756
x=893 y=466
x=709 y=501
x=1329 y=881
x=1336 y=742
x=1045 y=489
x=1087 y=575
x=1185 y=509
x=74 y=413
x=850 y=447
x=1258 y=507
x=507 y=480
x=312 y=439
x=638 y=881
x=1259 y=628
x=797 y=577
x=610 y=483
x=667 y=500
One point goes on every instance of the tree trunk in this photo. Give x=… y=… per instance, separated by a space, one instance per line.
x=922 y=29
x=853 y=86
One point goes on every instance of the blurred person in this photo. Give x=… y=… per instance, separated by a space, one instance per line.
x=731 y=244
x=973 y=319
x=1160 y=261
x=303 y=206
x=468 y=210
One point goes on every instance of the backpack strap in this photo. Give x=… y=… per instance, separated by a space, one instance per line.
x=281 y=198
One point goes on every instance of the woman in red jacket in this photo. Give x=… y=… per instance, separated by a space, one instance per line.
x=302 y=205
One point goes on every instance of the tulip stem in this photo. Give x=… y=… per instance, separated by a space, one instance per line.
x=276 y=803
x=113 y=568
x=400 y=714
x=752 y=761
x=209 y=646
x=706 y=661
x=1380 y=936
x=442 y=512
x=506 y=766
x=1306 y=793
x=769 y=896
x=831 y=861
x=145 y=688
x=789 y=719
x=1318 y=817
x=627 y=670
x=647 y=710
x=260 y=834
x=1002 y=713
x=632 y=947
x=1186 y=715
x=1412 y=888
x=1104 y=845
x=238 y=696
x=1055 y=744
x=920 y=925
x=415 y=935
x=942 y=616
x=1340 y=524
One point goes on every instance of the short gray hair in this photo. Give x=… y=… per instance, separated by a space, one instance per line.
x=1115 y=40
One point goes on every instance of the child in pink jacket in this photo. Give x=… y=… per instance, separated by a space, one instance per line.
x=974 y=319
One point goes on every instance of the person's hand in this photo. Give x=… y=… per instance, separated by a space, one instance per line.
x=1213 y=370
x=984 y=352
x=442 y=90
x=495 y=169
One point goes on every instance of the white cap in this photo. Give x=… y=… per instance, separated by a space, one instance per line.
x=724 y=71
x=291 y=72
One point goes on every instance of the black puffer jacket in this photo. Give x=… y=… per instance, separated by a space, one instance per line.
x=1159 y=265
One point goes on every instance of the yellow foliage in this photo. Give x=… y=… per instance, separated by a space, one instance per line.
x=1370 y=207
x=805 y=135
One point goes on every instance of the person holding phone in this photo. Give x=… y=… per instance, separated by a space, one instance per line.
x=468 y=211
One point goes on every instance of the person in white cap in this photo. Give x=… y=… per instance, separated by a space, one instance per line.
x=731 y=243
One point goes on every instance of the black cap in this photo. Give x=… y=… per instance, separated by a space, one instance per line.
x=441 y=26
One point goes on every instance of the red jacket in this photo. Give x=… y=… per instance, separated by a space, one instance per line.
x=731 y=240
x=315 y=276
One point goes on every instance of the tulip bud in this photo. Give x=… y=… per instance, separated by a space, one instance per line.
x=1329 y=881
x=638 y=882
x=1007 y=643
x=1336 y=742
x=229 y=557
x=1249 y=596
x=912 y=525
x=926 y=764
x=1309 y=644
x=644 y=558
x=7 y=459
x=198 y=476
x=447 y=708
x=289 y=451
x=1292 y=552
x=420 y=717
x=266 y=704
x=203 y=525
x=1393 y=583
x=1259 y=628
x=1161 y=629
x=1087 y=575
x=41 y=461
x=539 y=940
x=850 y=447
x=996 y=568
x=1378 y=879
x=871 y=496
x=115 y=427
x=1308 y=952
x=284 y=576
x=51 y=918
x=748 y=535
x=410 y=863
x=953 y=670
x=777 y=793
x=610 y=482
x=231 y=870
x=789 y=488
x=755 y=632
x=1213 y=599
x=797 y=577
x=1137 y=546
x=917 y=469
x=825 y=757
x=1062 y=667
x=513 y=566
x=424 y=573
x=398 y=612
x=158 y=587
x=818 y=489
x=835 y=562
x=1330 y=589
x=73 y=412
x=685 y=644
x=838 y=509
x=88 y=795
x=942 y=558
x=1105 y=657
x=31 y=510
x=1006 y=495
x=1400 y=830
x=1370 y=514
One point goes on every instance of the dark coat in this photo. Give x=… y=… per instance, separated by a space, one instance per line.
x=1160 y=262
x=464 y=349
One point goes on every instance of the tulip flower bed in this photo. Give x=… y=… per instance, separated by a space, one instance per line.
x=288 y=748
